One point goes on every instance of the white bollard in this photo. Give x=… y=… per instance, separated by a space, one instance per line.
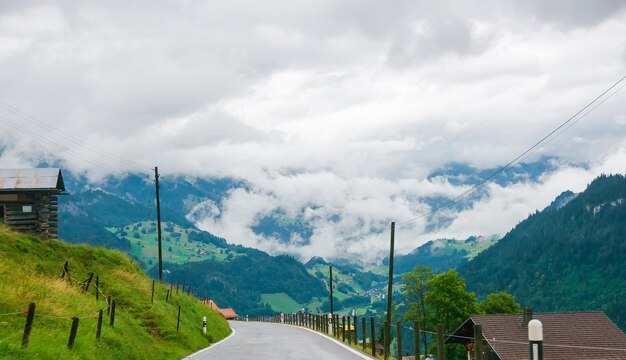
x=204 y=325
x=535 y=337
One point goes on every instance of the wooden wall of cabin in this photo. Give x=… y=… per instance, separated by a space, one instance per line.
x=37 y=215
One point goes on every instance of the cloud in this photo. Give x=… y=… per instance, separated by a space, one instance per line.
x=333 y=111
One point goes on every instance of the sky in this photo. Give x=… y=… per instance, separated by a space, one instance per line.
x=335 y=112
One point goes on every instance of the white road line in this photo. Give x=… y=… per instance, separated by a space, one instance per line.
x=356 y=352
x=212 y=345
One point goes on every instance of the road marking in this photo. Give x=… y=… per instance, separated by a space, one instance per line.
x=212 y=345
x=354 y=351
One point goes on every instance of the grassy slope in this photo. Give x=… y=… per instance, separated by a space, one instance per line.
x=30 y=270
x=183 y=249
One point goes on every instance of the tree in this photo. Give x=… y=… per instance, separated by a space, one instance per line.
x=499 y=303
x=447 y=302
x=414 y=292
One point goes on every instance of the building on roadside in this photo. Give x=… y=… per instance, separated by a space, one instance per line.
x=567 y=336
x=29 y=200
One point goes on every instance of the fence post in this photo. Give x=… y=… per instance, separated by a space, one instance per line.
x=66 y=270
x=399 y=338
x=188 y=289
x=171 y=291
x=99 y=327
x=387 y=339
x=343 y=328
x=349 y=332
x=356 y=331
x=87 y=282
x=29 y=324
x=112 y=319
x=152 y=298
x=177 y=285
x=73 y=331
x=440 y=345
x=178 y=320
x=364 y=331
x=373 y=336
x=416 y=338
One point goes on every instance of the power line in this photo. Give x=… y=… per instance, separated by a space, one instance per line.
x=520 y=157
x=70 y=137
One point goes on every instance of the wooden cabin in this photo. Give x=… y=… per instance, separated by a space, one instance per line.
x=29 y=200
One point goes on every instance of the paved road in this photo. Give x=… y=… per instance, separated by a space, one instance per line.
x=266 y=341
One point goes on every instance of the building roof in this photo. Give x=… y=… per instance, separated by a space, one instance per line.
x=31 y=179
x=567 y=335
x=228 y=313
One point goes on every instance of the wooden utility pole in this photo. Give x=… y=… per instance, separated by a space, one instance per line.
x=389 y=291
x=158 y=208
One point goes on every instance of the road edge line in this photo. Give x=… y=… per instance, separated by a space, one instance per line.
x=212 y=345
x=352 y=350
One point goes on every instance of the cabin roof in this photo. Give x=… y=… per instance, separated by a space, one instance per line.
x=567 y=335
x=40 y=179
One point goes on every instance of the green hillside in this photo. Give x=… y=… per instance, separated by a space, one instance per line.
x=569 y=257
x=180 y=244
x=281 y=302
x=30 y=271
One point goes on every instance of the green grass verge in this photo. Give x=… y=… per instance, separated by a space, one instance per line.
x=30 y=270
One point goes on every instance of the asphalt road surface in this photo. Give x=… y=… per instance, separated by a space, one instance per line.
x=267 y=341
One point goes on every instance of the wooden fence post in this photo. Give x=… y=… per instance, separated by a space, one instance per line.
x=364 y=331
x=343 y=328
x=373 y=336
x=73 y=331
x=399 y=338
x=30 y=316
x=178 y=320
x=99 y=327
x=112 y=319
x=440 y=345
x=387 y=339
x=356 y=330
x=177 y=285
x=87 y=282
x=349 y=332
x=152 y=299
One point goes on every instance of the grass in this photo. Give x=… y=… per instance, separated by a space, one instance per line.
x=178 y=248
x=30 y=270
x=281 y=302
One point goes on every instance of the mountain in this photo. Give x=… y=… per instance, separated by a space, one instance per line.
x=118 y=213
x=442 y=254
x=568 y=257
x=242 y=281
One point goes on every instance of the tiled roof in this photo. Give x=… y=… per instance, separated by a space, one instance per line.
x=573 y=335
x=228 y=313
x=31 y=179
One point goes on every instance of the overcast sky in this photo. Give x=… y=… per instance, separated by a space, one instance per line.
x=326 y=107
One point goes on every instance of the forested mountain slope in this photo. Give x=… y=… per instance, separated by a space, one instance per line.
x=565 y=258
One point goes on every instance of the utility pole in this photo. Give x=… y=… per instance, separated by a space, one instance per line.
x=389 y=291
x=158 y=209
x=332 y=314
